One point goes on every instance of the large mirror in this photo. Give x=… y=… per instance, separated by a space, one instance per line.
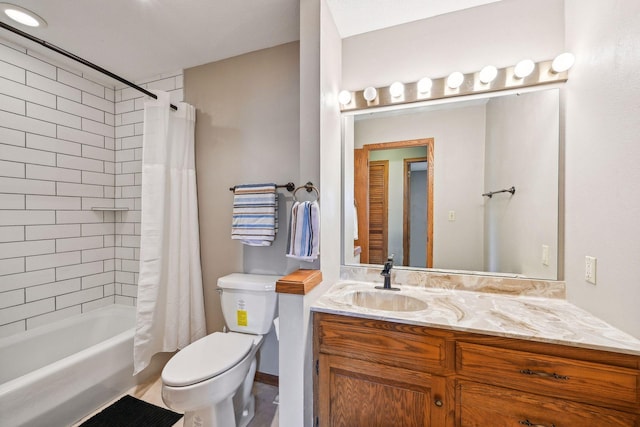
x=466 y=185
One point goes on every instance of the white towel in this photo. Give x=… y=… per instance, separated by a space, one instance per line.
x=355 y=221
x=304 y=231
x=255 y=214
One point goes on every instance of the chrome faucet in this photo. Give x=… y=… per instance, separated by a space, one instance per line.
x=386 y=273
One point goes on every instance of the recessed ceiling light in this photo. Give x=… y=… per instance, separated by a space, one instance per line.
x=22 y=15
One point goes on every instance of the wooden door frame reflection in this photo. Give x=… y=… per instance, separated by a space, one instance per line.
x=361 y=186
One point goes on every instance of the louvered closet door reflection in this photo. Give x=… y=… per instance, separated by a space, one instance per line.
x=378 y=210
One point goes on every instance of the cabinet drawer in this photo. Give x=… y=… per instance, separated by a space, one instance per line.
x=482 y=405
x=382 y=342
x=553 y=376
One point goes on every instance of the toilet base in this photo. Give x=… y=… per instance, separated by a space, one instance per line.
x=247 y=414
x=220 y=415
x=214 y=416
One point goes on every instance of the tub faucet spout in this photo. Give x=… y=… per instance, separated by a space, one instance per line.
x=386 y=273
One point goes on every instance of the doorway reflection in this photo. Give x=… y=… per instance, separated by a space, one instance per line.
x=393 y=184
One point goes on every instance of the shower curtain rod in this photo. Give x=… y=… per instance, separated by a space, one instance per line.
x=80 y=60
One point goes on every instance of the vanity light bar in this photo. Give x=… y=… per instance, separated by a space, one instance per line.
x=505 y=79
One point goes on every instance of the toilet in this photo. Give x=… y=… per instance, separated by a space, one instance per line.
x=211 y=379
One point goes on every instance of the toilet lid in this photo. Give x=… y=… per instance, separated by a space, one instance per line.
x=206 y=358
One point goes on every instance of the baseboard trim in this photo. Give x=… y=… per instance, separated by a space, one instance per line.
x=264 y=378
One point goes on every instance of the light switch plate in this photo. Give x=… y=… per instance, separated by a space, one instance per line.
x=590 y=269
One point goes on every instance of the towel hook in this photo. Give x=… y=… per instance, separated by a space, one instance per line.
x=309 y=187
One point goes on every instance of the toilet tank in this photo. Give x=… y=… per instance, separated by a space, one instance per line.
x=249 y=302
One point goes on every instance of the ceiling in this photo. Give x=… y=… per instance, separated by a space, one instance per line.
x=142 y=38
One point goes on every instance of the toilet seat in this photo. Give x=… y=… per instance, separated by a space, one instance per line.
x=206 y=358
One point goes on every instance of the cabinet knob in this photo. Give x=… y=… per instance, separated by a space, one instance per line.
x=438 y=403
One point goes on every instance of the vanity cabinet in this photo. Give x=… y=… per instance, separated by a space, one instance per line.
x=378 y=373
x=374 y=373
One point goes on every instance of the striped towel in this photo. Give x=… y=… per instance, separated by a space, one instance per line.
x=304 y=231
x=255 y=214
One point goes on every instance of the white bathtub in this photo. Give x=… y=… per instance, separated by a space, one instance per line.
x=55 y=374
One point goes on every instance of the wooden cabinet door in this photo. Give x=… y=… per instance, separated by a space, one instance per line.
x=357 y=393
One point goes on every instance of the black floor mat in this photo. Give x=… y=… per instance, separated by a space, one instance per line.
x=132 y=412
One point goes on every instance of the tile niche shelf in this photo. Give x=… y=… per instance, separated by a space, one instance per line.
x=97 y=208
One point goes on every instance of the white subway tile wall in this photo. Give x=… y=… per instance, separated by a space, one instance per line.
x=67 y=144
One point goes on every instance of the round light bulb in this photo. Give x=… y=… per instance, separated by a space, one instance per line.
x=488 y=74
x=524 y=68
x=424 y=85
x=455 y=79
x=396 y=89
x=22 y=16
x=563 y=62
x=344 y=97
x=370 y=93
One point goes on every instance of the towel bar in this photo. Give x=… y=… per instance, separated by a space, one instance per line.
x=490 y=194
x=290 y=186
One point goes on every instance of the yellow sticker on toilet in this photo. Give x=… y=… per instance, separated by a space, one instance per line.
x=242 y=317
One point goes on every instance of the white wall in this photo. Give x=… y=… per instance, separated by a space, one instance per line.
x=602 y=158
x=522 y=151
x=320 y=50
x=458 y=175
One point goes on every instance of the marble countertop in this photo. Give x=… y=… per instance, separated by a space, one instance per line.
x=542 y=319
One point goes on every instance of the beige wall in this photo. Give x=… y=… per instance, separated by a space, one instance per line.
x=247 y=131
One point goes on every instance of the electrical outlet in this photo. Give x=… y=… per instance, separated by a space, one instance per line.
x=452 y=215
x=590 y=269
x=545 y=254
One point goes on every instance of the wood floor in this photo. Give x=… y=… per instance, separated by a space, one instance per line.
x=266 y=409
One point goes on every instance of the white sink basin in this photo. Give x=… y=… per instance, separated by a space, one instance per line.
x=387 y=301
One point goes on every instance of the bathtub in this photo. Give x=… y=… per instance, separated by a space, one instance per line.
x=55 y=374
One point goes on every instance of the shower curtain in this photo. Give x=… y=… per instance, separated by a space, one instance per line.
x=170 y=305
